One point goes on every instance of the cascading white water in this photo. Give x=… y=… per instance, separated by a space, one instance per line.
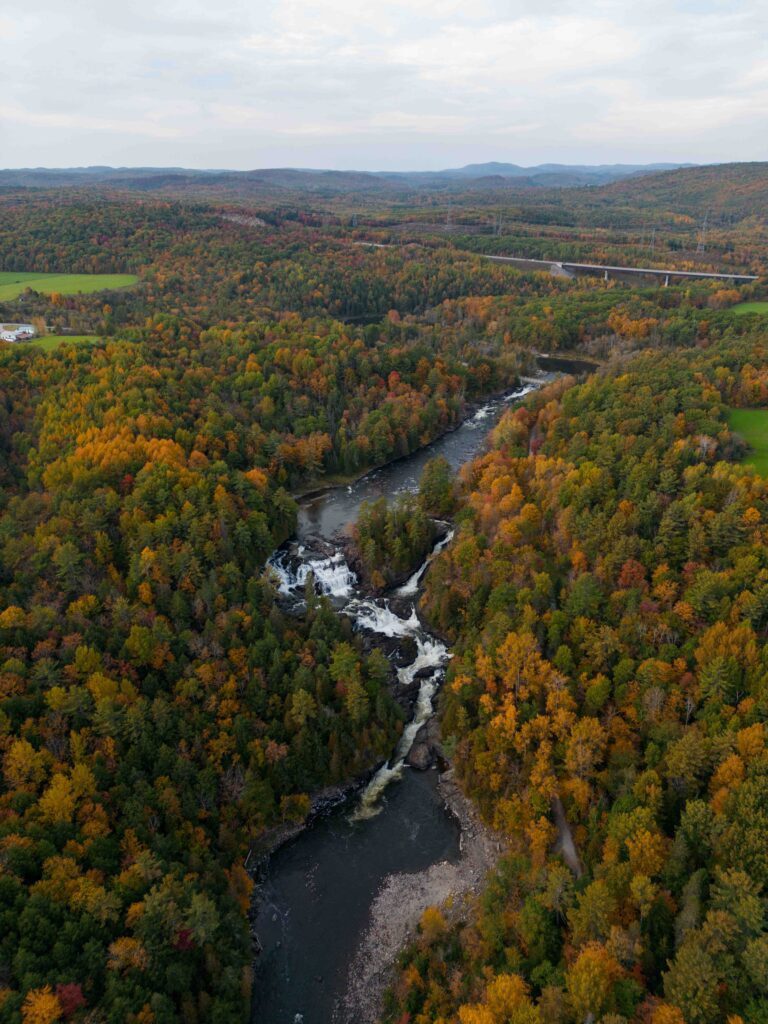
x=430 y=653
x=333 y=577
x=368 y=806
x=485 y=410
x=378 y=617
x=411 y=587
x=281 y=573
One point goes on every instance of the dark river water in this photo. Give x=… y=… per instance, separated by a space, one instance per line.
x=319 y=891
x=324 y=514
x=313 y=900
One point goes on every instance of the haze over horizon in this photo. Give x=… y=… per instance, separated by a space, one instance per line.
x=328 y=84
x=483 y=167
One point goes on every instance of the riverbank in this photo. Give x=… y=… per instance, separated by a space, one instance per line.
x=322 y=802
x=403 y=898
x=321 y=486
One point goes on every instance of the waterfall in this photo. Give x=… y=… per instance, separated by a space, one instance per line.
x=333 y=577
x=378 y=617
x=368 y=805
x=411 y=587
x=431 y=653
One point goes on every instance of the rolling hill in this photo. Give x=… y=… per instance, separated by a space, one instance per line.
x=737 y=189
x=493 y=175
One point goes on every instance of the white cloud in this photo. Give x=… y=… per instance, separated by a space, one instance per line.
x=83 y=122
x=527 y=52
x=683 y=118
x=409 y=83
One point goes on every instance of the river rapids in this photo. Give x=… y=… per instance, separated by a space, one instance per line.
x=314 y=898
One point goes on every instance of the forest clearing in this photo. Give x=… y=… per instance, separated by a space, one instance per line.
x=13 y=283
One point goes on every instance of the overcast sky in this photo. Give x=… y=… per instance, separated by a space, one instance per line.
x=381 y=84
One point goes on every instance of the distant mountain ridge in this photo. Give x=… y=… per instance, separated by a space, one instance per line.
x=491 y=175
x=733 y=190
x=506 y=170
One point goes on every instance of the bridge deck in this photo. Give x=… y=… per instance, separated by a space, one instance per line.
x=659 y=271
x=605 y=268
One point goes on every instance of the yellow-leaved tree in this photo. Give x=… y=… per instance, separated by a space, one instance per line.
x=41 y=1006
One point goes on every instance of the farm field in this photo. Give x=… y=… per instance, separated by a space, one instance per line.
x=752 y=425
x=14 y=282
x=52 y=341
x=743 y=308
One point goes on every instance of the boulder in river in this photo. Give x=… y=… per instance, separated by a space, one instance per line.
x=427 y=748
x=420 y=756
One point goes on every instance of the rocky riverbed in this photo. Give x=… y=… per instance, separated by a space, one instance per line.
x=403 y=898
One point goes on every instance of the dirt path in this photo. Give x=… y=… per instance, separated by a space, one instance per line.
x=565 y=845
x=403 y=898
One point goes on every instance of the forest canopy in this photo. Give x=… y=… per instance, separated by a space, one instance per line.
x=606 y=591
x=606 y=595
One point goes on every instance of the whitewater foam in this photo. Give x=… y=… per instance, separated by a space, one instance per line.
x=379 y=618
x=369 y=805
x=332 y=576
x=411 y=587
x=430 y=653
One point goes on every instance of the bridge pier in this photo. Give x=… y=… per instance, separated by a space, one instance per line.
x=605 y=276
x=666 y=281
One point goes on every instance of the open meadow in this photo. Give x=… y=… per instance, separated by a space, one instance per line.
x=52 y=341
x=742 y=308
x=752 y=425
x=14 y=282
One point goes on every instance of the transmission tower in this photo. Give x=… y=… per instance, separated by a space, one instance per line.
x=703 y=233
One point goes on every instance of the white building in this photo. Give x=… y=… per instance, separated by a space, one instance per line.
x=16 y=332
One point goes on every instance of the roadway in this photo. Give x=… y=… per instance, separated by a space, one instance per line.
x=565 y=266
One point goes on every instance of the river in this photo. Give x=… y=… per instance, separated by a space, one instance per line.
x=315 y=894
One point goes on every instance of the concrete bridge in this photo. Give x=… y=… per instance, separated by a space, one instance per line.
x=606 y=271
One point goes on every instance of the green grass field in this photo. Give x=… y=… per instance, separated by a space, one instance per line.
x=52 y=341
x=750 y=307
x=13 y=283
x=752 y=425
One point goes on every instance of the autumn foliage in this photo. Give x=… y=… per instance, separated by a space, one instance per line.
x=607 y=600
